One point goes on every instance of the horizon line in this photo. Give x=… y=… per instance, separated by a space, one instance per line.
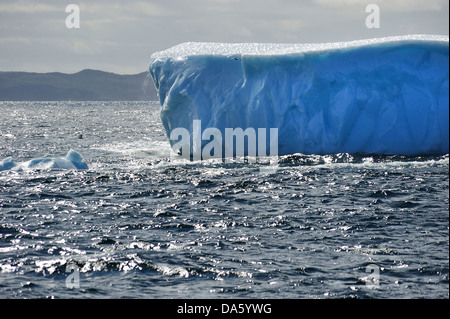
x=87 y=69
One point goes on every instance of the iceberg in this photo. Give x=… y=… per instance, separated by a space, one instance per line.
x=73 y=160
x=378 y=96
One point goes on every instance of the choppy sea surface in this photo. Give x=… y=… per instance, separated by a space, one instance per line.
x=142 y=224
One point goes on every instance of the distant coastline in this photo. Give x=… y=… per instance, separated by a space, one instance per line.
x=86 y=85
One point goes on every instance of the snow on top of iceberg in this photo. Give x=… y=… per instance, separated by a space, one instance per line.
x=240 y=49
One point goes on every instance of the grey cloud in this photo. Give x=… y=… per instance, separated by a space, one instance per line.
x=119 y=36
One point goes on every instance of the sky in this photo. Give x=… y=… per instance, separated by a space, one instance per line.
x=120 y=36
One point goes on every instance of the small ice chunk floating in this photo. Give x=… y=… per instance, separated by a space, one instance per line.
x=73 y=160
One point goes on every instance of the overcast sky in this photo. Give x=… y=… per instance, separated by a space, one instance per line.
x=120 y=36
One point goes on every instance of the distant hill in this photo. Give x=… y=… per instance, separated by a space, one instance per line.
x=86 y=85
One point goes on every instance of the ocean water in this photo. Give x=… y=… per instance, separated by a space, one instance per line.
x=142 y=224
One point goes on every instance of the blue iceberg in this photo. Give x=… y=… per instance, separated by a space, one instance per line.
x=377 y=96
x=73 y=160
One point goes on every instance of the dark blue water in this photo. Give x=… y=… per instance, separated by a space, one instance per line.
x=142 y=224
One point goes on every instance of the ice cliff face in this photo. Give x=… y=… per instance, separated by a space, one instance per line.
x=382 y=96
